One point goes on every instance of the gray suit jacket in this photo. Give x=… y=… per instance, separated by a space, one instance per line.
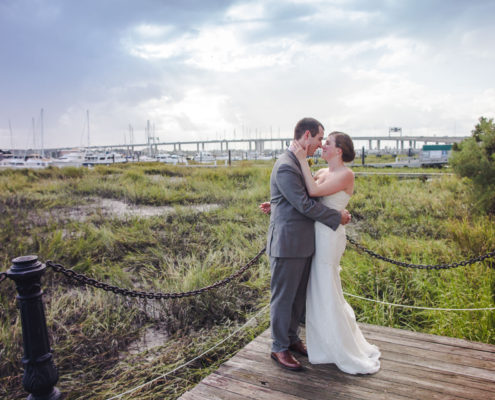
x=293 y=212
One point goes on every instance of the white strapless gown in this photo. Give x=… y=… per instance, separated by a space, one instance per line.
x=332 y=334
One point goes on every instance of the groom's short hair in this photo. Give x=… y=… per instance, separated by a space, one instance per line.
x=307 y=124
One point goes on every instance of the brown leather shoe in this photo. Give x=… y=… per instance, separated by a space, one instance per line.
x=299 y=347
x=286 y=360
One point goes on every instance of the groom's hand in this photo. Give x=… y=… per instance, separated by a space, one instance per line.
x=345 y=217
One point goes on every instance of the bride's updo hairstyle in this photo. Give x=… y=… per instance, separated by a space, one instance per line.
x=344 y=142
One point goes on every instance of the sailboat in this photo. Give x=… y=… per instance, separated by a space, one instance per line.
x=32 y=160
x=73 y=158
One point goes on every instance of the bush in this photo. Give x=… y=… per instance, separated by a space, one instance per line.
x=474 y=158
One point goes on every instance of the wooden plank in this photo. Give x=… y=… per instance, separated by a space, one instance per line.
x=246 y=389
x=198 y=394
x=488 y=350
x=428 y=337
x=457 y=378
x=430 y=385
x=385 y=381
x=262 y=344
x=413 y=366
x=437 y=355
x=438 y=365
x=309 y=385
x=284 y=383
x=444 y=376
x=421 y=375
x=447 y=348
x=433 y=359
x=207 y=392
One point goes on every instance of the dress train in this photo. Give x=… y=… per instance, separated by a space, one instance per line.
x=332 y=334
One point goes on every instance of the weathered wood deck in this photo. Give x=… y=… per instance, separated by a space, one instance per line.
x=413 y=366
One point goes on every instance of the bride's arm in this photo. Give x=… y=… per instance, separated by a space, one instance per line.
x=310 y=182
x=339 y=181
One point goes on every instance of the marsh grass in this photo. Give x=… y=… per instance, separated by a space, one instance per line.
x=425 y=221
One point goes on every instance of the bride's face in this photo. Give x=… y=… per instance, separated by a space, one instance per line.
x=329 y=149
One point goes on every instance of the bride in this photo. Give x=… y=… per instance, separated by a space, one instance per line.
x=332 y=334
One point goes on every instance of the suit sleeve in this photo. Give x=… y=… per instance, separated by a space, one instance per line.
x=292 y=188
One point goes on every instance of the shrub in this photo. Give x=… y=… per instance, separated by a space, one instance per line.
x=474 y=158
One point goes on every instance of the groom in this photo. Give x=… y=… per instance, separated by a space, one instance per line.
x=291 y=243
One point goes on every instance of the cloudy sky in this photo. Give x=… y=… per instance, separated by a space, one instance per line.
x=200 y=69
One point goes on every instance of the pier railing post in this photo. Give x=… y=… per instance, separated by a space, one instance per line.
x=40 y=373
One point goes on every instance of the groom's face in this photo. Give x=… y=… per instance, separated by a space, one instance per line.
x=314 y=142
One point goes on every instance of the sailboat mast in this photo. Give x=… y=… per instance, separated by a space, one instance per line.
x=41 y=130
x=11 y=136
x=34 y=135
x=87 y=117
x=148 y=134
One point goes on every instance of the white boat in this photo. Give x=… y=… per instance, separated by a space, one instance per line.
x=38 y=162
x=108 y=158
x=31 y=161
x=71 y=159
x=144 y=158
x=259 y=156
x=204 y=156
x=170 y=158
x=13 y=162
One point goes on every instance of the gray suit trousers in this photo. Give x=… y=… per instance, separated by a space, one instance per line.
x=289 y=281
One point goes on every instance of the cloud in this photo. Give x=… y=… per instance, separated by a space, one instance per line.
x=197 y=68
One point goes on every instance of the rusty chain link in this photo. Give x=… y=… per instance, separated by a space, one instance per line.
x=3 y=276
x=82 y=279
x=422 y=266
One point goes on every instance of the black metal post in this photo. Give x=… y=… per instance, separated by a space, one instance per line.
x=362 y=156
x=40 y=373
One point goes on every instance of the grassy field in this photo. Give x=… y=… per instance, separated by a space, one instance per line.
x=156 y=228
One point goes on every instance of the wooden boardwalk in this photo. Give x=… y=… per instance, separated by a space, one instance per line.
x=413 y=366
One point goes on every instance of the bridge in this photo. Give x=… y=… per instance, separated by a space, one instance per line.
x=258 y=145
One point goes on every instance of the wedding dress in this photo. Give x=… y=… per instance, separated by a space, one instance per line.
x=332 y=334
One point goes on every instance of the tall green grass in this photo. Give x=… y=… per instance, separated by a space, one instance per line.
x=421 y=221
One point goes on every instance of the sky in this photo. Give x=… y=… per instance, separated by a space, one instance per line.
x=214 y=69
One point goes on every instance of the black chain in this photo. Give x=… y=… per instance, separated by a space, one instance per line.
x=82 y=279
x=422 y=266
x=3 y=276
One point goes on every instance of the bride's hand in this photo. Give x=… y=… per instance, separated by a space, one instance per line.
x=298 y=150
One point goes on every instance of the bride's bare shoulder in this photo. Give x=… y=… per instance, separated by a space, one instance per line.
x=349 y=175
x=321 y=172
x=350 y=171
